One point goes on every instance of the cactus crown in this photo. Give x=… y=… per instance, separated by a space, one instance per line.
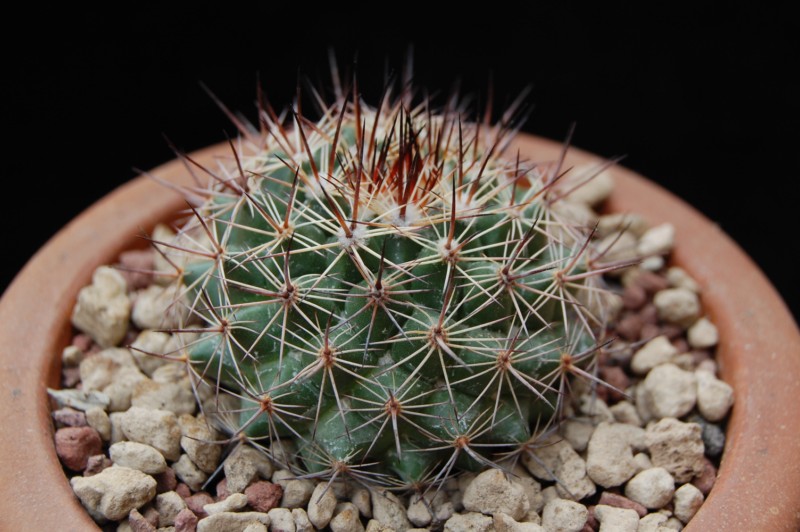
x=382 y=294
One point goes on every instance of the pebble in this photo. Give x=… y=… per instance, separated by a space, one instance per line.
x=139 y=523
x=577 y=431
x=504 y=523
x=714 y=397
x=677 y=447
x=71 y=356
x=121 y=388
x=657 y=351
x=263 y=495
x=79 y=399
x=650 y=281
x=146 y=346
x=465 y=522
x=686 y=502
x=159 y=307
x=282 y=520
x=103 y=308
x=703 y=334
x=137 y=267
x=301 y=521
x=296 y=493
x=69 y=417
x=387 y=509
x=189 y=473
x=677 y=305
x=197 y=502
x=74 y=446
x=185 y=521
x=707 y=477
x=618 y=247
x=255 y=526
x=361 y=498
x=617 y=381
x=168 y=505
x=346 y=519
x=625 y=412
x=630 y=327
x=98 y=419
x=555 y=457
x=590 y=184
x=491 y=492
x=176 y=397
x=642 y=461
x=232 y=503
x=157 y=428
x=652 y=488
x=634 y=297
x=561 y=515
x=712 y=434
x=609 y=458
x=137 y=456
x=678 y=278
x=240 y=468
x=621 y=221
x=114 y=492
x=231 y=521
x=670 y=391
x=618 y=501
x=654 y=522
x=657 y=240
x=614 y=519
x=321 y=506
x=117 y=420
x=198 y=441
x=96 y=463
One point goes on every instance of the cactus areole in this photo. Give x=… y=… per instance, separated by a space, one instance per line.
x=388 y=293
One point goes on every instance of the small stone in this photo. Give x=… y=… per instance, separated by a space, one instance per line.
x=686 y=502
x=166 y=481
x=198 y=440
x=387 y=509
x=197 y=502
x=234 y=502
x=100 y=370
x=137 y=456
x=640 y=402
x=678 y=278
x=121 y=388
x=114 y=492
x=634 y=297
x=652 y=488
x=703 y=334
x=653 y=522
x=418 y=512
x=468 y=522
x=642 y=461
x=346 y=519
x=616 y=380
x=707 y=477
x=255 y=526
x=677 y=305
x=630 y=327
x=136 y=266
x=321 y=506
x=609 y=458
x=157 y=428
x=577 y=432
x=712 y=434
x=98 y=419
x=139 y=523
x=169 y=505
x=69 y=417
x=185 y=521
x=95 y=464
x=553 y=456
x=590 y=184
x=231 y=521
x=619 y=221
x=560 y=515
x=673 y=523
x=188 y=472
x=618 y=247
x=146 y=348
x=657 y=240
x=625 y=412
x=614 y=519
x=652 y=264
x=301 y=521
x=176 y=397
x=677 y=447
x=158 y=307
x=103 y=309
x=657 y=351
x=117 y=420
x=504 y=523
x=263 y=495
x=74 y=446
x=361 y=498
x=71 y=356
x=297 y=493
x=240 y=470
x=282 y=520
x=714 y=397
x=618 y=501
x=491 y=492
x=670 y=391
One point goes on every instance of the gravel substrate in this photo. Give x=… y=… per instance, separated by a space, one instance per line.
x=641 y=454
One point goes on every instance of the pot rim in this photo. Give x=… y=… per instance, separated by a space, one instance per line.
x=759 y=351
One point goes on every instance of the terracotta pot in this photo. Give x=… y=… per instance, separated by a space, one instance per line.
x=759 y=352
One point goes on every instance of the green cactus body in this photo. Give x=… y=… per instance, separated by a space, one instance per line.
x=385 y=290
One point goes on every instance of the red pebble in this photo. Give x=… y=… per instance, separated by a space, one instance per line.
x=649 y=314
x=619 y=501
x=183 y=490
x=69 y=417
x=616 y=377
x=630 y=327
x=222 y=489
x=185 y=521
x=96 y=464
x=634 y=297
x=649 y=331
x=651 y=282
x=706 y=479
x=196 y=502
x=263 y=496
x=74 y=446
x=139 y=523
x=167 y=481
x=137 y=268
x=591 y=524
x=82 y=341
x=70 y=377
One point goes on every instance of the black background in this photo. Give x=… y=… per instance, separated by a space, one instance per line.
x=700 y=97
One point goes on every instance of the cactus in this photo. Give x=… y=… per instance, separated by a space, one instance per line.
x=389 y=293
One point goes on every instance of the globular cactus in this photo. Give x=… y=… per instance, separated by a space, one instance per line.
x=393 y=290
